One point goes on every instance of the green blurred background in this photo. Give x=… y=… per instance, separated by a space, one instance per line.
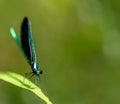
x=78 y=48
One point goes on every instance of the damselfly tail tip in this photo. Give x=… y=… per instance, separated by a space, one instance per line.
x=12 y=32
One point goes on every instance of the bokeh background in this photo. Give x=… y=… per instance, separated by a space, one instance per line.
x=78 y=48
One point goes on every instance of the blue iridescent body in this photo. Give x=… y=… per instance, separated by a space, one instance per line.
x=26 y=45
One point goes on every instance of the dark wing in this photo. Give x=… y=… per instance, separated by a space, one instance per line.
x=26 y=41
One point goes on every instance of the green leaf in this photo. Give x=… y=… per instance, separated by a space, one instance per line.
x=17 y=80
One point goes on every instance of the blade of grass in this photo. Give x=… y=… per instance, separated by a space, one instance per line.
x=17 y=80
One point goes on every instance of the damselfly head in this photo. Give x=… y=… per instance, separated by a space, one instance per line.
x=38 y=72
x=36 y=69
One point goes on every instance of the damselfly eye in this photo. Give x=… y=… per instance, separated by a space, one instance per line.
x=41 y=71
